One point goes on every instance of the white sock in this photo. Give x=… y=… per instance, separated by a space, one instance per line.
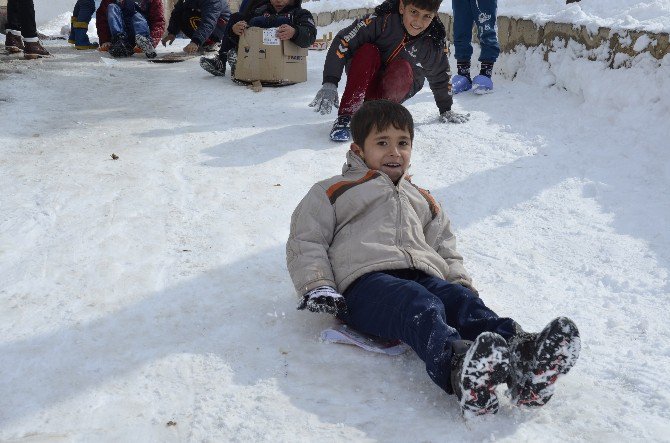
x=31 y=39
x=11 y=31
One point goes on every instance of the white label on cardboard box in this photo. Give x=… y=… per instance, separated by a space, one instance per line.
x=270 y=37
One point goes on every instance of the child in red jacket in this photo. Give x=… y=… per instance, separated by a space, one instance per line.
x=122 y=24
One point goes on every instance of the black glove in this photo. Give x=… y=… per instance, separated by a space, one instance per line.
x=324 y=299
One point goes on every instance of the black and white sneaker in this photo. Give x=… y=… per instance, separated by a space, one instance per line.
x=476 y=373
x=232 y=61
x=538 y=360
x=144 y=43
x=214 y=65
x=341 y=131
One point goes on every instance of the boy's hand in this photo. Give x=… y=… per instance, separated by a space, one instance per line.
x=454 y=117
x=239 y=27
x=326 y=98
x=191 y=48
x=168 y=39
x=285 y=32
x=324 y=299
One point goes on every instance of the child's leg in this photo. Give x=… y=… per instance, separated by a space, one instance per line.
x=395 y=308
x=361 y=78
x=229 y=39
x=86 y=9
x=115 y=20
x=466 y=312
x=396 y=81
x=140 y=26
x=463 y=19
x=486 y=11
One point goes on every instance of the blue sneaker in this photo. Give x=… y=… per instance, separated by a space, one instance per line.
x=460 y=83
x=482 y=85
x=341 y=131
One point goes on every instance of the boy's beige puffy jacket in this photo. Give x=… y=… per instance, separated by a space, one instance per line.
x=360 y=222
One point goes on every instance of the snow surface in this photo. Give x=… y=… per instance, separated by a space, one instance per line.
x=147 y=298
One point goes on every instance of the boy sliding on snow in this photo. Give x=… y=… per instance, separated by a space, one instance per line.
x=203 y=21
x=377 y=251
x=292 y=22
x=388 y=55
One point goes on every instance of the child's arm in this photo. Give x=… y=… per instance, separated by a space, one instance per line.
x=439 y=80
x=305 y=29
x=345 y=44
x=439 y=236
x=312 y=230
x=156 y=21
x=211 y=10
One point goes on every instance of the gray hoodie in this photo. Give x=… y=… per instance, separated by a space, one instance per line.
x=360 y=222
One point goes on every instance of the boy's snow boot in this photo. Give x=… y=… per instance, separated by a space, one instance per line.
x=476 y=373
x=81 y=40
x=13 y=42
x=34 y=49
x=215 y=65
x=71 y=37
x=120 y=46
x=461 y=82
x=482 y=84
x=232 y=61
x=341 y=131
x=144 y=43
x=538 y=360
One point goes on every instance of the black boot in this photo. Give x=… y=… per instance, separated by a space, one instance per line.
x=538 y=360
x=215 y=65
x=476 y=372
x=120 y=46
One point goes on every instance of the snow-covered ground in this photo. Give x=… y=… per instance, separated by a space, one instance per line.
x=147 y=298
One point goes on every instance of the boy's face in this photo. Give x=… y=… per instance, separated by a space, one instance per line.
x=280 y=4
x=388 y=151
x=415 y=20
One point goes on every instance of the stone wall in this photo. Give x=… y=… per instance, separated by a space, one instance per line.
x=514 y=31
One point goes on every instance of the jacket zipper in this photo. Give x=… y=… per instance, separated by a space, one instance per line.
x=398 y=229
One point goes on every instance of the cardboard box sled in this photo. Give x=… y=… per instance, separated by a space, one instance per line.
x=261 y=56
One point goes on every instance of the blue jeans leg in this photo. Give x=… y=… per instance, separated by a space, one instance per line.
x=140 y=25
x=465 y=312
x=397 y=308
x=115 y=20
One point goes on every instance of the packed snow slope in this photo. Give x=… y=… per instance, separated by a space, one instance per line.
x=147 y=298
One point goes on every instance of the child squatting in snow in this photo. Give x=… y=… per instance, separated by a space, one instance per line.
x=377 y=251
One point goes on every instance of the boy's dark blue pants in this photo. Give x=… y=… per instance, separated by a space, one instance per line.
x=425 y=312
x=483 y=14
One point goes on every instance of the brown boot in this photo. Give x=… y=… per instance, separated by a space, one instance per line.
x=13 y=43
x=33 y=50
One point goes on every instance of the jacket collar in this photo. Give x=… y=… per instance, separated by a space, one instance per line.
x=355 y=164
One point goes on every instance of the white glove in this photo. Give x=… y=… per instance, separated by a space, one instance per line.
x=454 y=117
x=326 y=98
x=324 y=299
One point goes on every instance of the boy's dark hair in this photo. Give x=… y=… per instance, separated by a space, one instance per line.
x=380 y=114
x=428 y=5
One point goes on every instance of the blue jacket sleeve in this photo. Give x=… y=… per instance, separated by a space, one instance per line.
x=211 y=10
